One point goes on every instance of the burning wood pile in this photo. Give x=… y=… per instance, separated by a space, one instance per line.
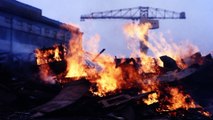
x=76 y=84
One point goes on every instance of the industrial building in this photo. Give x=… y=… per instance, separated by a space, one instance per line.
x=23 y=28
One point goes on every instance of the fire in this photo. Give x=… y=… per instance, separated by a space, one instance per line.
x=56 y=54
x=205 y=113
x=158 y=44
x=136 y=33
x=149 y=64
x=152 y=98
x=44 y=56
x=177 y=99
x=74 y=58
x=109 y=80
x=151 y=85
x=109 y=76
x=48 y=55
x=112 y=78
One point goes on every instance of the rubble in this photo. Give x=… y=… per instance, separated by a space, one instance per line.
x=68 y=95
x=28 y=97
x=121 y=99
x=169 y=64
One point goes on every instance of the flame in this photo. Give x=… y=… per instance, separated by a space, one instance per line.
x=75 y=61
x=136 y=33
x=205 y=113
x=45 y=56
x=125 y=76
x=149 y=64
x=48 y=55
x=149 y=85
x=108 y=81
x=113 y=78
x=178 y=99
x=152 y=98
x=56 y=54
x=109 y=77
x=158 y=44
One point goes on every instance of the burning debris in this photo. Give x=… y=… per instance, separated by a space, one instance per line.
x=103 y=87
x=47 y=55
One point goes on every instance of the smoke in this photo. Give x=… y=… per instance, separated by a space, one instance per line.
x=92 y=45
x=158 y=43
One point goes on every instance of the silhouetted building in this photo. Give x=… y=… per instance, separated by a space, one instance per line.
x=23 y=28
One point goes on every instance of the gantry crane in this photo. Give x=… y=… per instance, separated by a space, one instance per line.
x=141 y=14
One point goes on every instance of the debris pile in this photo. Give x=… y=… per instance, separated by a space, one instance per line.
x=118 y=90
x=70 y=83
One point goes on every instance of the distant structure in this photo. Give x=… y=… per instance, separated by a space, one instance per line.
x=143 y=14
x=23 y=29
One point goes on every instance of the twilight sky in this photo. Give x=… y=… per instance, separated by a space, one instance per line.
x=196 y=28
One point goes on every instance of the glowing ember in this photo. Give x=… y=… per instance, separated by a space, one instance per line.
x=152 y=98
x=205 y=113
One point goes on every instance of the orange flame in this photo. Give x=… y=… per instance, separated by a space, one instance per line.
x=152 y=98
x=179 y=100
x=47 y=56
x=158 y=44
x=109 y=77
x=75 y=61
x=205 y=113
x=112 y=78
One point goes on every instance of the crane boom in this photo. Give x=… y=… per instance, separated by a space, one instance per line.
x=143 y=14
x=136 y=13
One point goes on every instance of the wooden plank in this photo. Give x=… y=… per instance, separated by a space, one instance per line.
x=68 y=95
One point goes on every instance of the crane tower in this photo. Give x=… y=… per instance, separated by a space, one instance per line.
x=141 y=14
